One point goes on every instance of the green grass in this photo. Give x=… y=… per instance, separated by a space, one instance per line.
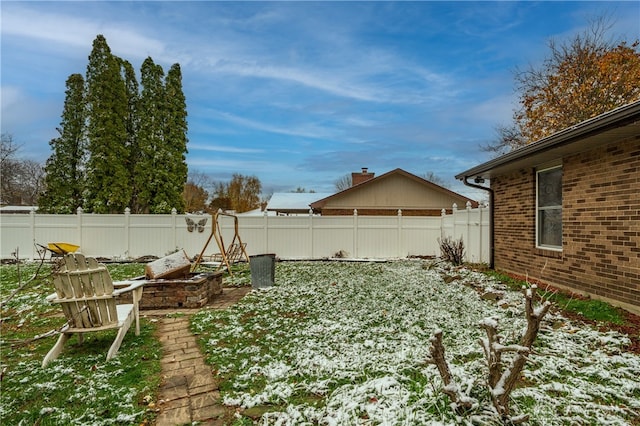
x=80 y=386
x=590 y=309
x=240 y=274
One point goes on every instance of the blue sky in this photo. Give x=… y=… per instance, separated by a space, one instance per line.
x=300 y=93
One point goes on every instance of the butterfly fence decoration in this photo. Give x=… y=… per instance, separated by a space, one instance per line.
x=193 y=224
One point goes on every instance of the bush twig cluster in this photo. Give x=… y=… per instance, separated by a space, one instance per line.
x=452 y=250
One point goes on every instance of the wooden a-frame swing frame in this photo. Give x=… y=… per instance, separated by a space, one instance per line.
x=216 y=233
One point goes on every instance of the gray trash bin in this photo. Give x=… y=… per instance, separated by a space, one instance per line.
x=263 y=270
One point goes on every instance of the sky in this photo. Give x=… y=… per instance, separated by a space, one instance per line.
x=300 y=94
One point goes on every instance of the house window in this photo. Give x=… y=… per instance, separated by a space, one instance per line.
x=549 y=208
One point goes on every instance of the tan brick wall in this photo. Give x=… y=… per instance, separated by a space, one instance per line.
x=601 y=225
x=384 y=212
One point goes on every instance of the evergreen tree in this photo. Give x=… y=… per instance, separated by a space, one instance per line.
x=176 y=137
x=64 y=181
x=108 y=188
x=120 y=147
x=150 y=170
x=133 y=98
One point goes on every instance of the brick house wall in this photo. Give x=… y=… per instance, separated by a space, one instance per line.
x=600 y=220
x=384 y=212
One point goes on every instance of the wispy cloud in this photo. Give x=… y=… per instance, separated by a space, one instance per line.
x=225 y=149
x=67 y=30
x=311 y=79
x=240 y=166
x=300 y=93
x=362 y=77
x=390 y=81
x=307 y=131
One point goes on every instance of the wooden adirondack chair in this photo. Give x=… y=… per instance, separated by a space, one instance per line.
x=86 y=292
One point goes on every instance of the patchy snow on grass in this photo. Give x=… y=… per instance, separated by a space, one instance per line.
x=345 y=343
x=89 y=388
x=80 y=387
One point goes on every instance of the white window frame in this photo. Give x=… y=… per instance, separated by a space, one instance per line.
x=538 y=209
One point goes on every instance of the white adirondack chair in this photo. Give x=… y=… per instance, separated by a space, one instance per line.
x=86 y=292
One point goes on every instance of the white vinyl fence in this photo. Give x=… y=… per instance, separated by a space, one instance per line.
x=129 y=236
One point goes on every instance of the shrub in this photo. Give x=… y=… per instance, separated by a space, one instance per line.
x=452 y=250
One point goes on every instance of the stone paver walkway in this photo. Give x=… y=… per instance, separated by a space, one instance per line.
x=189 y=392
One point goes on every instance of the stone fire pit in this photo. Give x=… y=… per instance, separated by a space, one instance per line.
x=195 y=290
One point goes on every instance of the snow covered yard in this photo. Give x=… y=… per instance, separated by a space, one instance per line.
x=341 y=343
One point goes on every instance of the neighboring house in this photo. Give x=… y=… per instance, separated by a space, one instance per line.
x=293 y=203
x=254 y=212
x=566 y=209
x=388 y=193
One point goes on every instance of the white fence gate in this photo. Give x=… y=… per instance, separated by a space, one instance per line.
x=128 y=236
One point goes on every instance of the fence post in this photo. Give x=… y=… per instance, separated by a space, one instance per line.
x=468 y=242
x=79 y=232
x=32 y=229
x=266 y=232
x=355 y=233
x=454 y=214
x=480 y=226
x=127 y=230
x=399 y=251
x=311 y=233
x=174 y=214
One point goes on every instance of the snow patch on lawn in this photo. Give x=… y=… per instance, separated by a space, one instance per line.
x=346 y=343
